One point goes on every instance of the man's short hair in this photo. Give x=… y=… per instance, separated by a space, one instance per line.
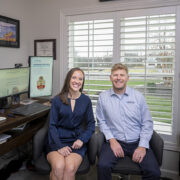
x=119 y=66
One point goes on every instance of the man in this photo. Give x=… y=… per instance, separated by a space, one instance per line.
x=124 y=118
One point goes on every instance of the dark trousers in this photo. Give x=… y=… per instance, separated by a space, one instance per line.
x=107 y=160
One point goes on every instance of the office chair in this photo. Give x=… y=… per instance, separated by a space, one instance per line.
x=41 y=164
x=126 y=166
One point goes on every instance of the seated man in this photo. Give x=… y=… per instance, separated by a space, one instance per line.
x=124 y=118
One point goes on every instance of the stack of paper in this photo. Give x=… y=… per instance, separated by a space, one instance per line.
x=4 y=138
x=21 y=127
x=27 y=101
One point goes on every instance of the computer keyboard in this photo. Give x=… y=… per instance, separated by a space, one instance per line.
x=30 y=109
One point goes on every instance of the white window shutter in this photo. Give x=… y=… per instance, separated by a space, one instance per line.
x=147 y=46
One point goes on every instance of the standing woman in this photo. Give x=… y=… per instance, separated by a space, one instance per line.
x=67 y=139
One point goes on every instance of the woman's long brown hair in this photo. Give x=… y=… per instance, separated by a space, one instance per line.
x=65 y=90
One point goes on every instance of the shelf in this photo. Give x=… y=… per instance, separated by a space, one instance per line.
x=10 y=123
x=21 y=137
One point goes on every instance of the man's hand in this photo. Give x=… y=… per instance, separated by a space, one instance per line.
x=139 y=154
x=65 y=151
x=77 y=144
x=116 y=148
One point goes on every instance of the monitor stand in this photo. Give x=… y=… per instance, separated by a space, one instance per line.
x=5 y=103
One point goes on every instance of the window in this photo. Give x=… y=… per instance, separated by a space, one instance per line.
x=146 y=44
x=91 y=49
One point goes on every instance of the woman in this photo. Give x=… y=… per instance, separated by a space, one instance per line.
x=67 y=138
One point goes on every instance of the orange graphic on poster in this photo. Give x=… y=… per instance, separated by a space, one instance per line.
x=41 y=83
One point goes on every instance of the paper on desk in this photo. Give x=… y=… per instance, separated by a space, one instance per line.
x=27 y=101
x=4 y=137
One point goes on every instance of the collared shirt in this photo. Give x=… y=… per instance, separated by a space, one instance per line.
x=125 y=117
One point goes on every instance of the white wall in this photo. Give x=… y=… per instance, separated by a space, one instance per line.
x=40 y=19
x=46 y=25
x=18 y=9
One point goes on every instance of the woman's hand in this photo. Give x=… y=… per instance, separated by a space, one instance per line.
x=65 y=151
x=77 y=144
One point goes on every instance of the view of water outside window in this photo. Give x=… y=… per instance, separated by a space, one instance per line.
x=146 y=46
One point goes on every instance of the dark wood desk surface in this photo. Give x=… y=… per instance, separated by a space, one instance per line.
x=18 y=138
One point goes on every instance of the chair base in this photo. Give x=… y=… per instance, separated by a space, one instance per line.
x=116 y=177
x=125 y=177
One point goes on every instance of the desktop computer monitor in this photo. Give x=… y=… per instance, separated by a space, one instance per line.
x=14 y=81
x=41 y=76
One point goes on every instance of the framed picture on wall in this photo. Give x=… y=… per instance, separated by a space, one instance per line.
x=9 y=32
x=45 y=47
x=106 y=0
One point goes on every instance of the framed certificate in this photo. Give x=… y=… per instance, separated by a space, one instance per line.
x=45 y=47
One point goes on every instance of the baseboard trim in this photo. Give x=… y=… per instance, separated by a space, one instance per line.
x=170 y=174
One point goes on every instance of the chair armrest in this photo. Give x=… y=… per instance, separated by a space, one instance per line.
x=38 y=143
x=157 y=145
x=38 y=140
x=92 y=148
x=100 y=141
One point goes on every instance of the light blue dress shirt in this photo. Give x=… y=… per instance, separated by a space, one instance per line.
x=124 y=117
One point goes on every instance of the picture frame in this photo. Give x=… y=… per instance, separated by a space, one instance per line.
x=9 y=32
x=45 y=47
x=106 y=0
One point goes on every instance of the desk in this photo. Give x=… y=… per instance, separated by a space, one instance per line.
x=35 y=122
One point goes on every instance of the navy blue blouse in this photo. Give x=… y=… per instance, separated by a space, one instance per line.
x=66 y=126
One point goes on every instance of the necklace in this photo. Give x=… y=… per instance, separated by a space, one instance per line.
x=74 y=98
